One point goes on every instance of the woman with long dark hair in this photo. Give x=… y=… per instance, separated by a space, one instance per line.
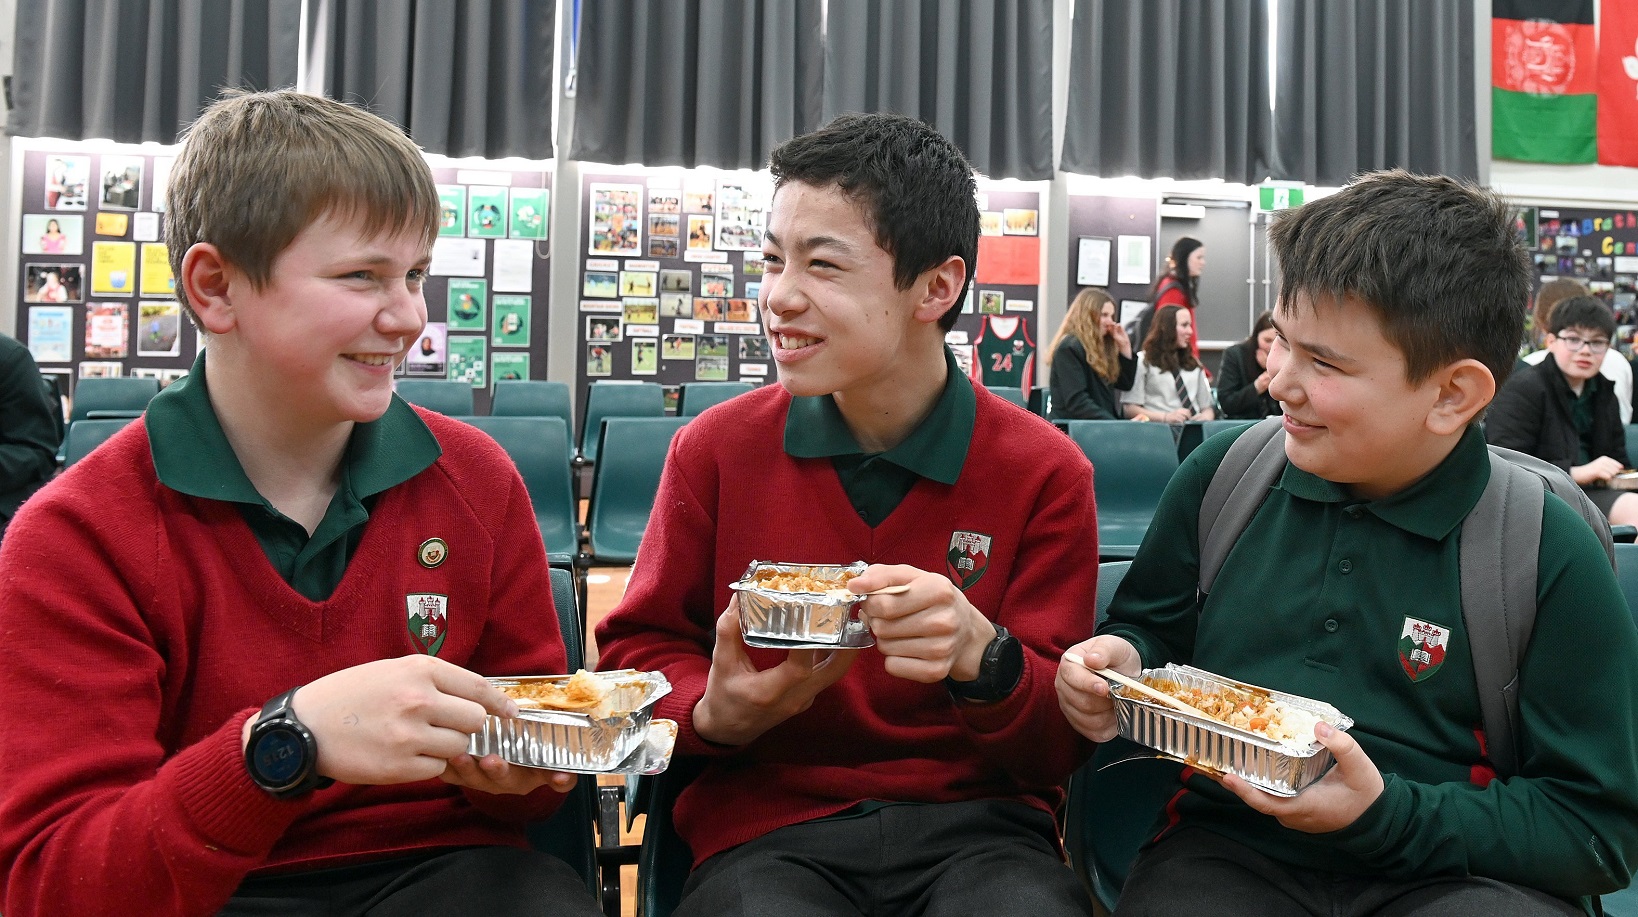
x=1243 y=376
x=1178 y=286
x=1091 y=359
x=1171 y=385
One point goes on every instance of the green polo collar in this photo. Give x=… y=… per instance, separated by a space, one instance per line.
x=192 y=454
x=936 y=449
x=1432 y=507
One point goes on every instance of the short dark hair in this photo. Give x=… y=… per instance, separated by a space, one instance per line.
x=1587 y=312
x=1437 y=259
x=915 y=188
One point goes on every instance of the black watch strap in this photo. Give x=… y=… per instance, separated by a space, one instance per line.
x=999 y=671
x=282 y=755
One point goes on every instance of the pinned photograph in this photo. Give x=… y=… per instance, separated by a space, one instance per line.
x=716 y=285
x=713 y=345
x=637 y=283
x=668 y=200
x=1020 y=222
x=754 y=266
x=511 y=320
x=162 y=182
x=989 y=223
x=711 y=369
x=641 y=310
x=755 y=348
x=159 y=329
x=508 y=367
x=428 y=357
x=599 y=360
x=645 y=357
x=699 y=233
x=599 y=285
x=662 y=224
x=528 y=212
x=487 y=218
x=616 y=219
x=469 y=359
x=45 y=234
x=107 y=329
x=676 y=281
x=741 y=214
x=121 y=183
x=469 y=305
x=99 y=370
x=52 y=283
x=451 y=210
x=741 y=310
x=698 y=196
x=677 y=346
x=676 y=305
x=991 y=302
x=66 y=183
x=709 y=310
x=50 y=333
x=602 y=328
x=664 y=247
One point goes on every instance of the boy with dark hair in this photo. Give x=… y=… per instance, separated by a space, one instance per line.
x=1402 y=302
x=241 y=652
x=1564 y=410
x=920 y=775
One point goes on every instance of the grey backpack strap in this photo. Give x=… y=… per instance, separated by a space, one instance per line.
x=1559 y=482
x=1500 y=542
x=1250 y=467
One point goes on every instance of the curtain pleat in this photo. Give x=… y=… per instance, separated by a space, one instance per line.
x=695 y=82
x=142 y=70
x=978 y=70
x=1168 y=88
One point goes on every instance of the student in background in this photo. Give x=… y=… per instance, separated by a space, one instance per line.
x=1178 y=286
x=1091 y=360
x=1616 y=368
x=1170 y=385
x=29 y=434
x=1244 y=374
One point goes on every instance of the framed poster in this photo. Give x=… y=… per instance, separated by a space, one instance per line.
x=1092 y=262
x=1135 y=260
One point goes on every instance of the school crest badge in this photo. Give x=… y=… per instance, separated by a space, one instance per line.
x=1422 y=648
x=969 y=557
x=427 y=615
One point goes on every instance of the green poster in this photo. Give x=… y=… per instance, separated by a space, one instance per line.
x=467 y=356
x=529 y=209
x=511 y=321
x=508 y=366
x=468 y=305
x=451 y=210
x=488 y=212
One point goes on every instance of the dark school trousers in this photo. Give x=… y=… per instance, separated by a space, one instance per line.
x=985 y=857
x=1203 y=874
x=492 y=881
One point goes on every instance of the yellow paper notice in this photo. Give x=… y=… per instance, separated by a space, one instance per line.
x=113 y=268
x=156 y=270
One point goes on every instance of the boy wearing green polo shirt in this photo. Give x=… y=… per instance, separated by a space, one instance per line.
x=920 y=775
x=1402 y=304
x=279 y=519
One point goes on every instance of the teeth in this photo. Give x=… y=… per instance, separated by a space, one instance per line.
x=371 y=359
x=795 y=341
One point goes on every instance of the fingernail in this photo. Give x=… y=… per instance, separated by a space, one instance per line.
x=1323 y=730
x=511 y=708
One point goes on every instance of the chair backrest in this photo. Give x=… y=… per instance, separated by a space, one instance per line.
x=1632 y=442
x=624 y=484
x=50 y=386
x=1040 y=401
x=86 y=435
x=539 y=447
x=1131 y=462
x=568 y=835
x=695 y=397
x=532 y=398
x=447 y=397
x=127 y=394
x=1112 y=807
x=1012 y=393
x=616 y=399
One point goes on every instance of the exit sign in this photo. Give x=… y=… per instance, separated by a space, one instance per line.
x=1277 y=197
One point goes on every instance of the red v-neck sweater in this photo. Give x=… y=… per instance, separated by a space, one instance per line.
x=142 y=626
x=730 y=494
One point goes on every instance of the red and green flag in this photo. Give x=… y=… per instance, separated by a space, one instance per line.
x=1543 y=80
x=1618 y=84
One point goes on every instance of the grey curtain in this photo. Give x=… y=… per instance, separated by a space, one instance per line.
x=463 y=77
x=140 y=70
x=1169 y=88
x=978 y=70
x=1374 y=84
x=695 y=82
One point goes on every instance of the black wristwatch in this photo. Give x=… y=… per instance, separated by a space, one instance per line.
x=282 y=756
x=998 y=672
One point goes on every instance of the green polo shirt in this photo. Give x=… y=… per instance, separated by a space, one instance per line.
x=192 y=456
x=1318 y=598
x=877 y=482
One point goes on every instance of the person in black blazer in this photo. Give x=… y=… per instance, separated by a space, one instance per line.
x=1243 y=376
x=1091 y=359
x=1563 y=411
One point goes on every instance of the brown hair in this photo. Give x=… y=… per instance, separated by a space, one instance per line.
x=1551 y=294
x=1160 y=348
x=257 y=168
x=1084 y=320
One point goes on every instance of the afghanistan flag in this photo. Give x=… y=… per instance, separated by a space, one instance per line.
x=1618 y=84
x=1544 y=80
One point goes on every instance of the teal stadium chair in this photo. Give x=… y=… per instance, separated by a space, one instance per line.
x=539 y=446
x=1632 y=443
x=616 y=399
x=532 y=398
x=86 y=435
x=120 y=397
x=695 y=397
x=1040 y=401
x=451 y=399
x=633 y=454
x=1012 y=393
x=1131 y=464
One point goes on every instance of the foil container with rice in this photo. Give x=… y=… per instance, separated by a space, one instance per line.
x=1270 y=743
x=801 y=606
x=1626 y=480
x=586 y=723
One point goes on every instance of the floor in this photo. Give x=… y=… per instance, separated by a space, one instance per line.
x=604 y=587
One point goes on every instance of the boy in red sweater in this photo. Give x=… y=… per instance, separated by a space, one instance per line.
x=279 y=519
x=919 y=775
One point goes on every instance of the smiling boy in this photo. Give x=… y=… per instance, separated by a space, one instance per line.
x=919 y=775
x=1383 y=364
x=242 y=636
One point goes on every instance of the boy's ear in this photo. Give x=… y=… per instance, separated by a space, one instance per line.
x=944 y=284
x=1465 y=388
x=206 y=276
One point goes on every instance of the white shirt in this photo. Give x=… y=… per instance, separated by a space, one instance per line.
x=1615 y=368
x=1156 y=390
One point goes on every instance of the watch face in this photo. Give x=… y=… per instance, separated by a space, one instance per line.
x=279 y=756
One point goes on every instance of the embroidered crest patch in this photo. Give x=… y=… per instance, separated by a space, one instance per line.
x=969 y=557
x=1422 y=648
x=427 y=614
